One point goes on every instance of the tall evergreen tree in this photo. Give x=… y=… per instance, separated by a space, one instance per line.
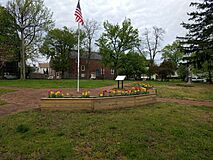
x=199 y=40
x=9 y=40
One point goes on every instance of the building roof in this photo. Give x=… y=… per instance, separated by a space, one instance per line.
x=44 y=65
x=94 y=55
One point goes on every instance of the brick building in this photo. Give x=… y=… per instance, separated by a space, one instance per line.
x=94 y=70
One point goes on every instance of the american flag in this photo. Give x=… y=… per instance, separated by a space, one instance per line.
x=78 y=14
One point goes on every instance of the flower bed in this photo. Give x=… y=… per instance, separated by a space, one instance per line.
x=137 y=95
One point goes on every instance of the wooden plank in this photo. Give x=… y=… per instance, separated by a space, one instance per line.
x=97 y=103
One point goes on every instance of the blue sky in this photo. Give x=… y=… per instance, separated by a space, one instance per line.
x=167 y=14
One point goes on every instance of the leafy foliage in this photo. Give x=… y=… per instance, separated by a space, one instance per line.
x=116 y=41
x=182 y=72
x=9 y=40
x=133 y=65
x=32 y=19
x=58 y=45
x=166 y=68
x=199 y=40
x=173 y=52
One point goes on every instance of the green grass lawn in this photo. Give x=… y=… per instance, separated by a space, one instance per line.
x=198 y=91
x=3 y=90
x=161 y=131
x=56 y=83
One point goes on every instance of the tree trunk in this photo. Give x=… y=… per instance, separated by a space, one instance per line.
x=210 y=75
x=23 y=65
x=87 y=68
x=115 y=73
x=62 y=74
x=189 y=75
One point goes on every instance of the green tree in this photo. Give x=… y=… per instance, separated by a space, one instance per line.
x=9 y=40
x=199 y=41
x=182 y=71
x=32 y=19
x=57 y=46
x=133 y=65
x=116 y=41
x=166 y=68
x=173 y=52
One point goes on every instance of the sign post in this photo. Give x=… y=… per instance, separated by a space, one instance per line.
x=120 y=78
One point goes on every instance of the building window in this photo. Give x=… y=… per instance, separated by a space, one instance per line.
x=98 y=72
x=83 y=75
x=112 y=71
x=83 y=68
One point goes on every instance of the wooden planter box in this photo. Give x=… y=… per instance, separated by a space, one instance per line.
x=100 y=103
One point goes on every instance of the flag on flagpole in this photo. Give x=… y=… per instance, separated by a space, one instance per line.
x=79 y=19
x=78 y=14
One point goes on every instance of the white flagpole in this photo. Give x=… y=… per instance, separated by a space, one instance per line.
x=78 y=83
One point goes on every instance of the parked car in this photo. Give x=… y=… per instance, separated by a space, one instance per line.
x=9 y=76
x=198 y=79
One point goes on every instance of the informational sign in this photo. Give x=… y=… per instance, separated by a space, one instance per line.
x=120 y=78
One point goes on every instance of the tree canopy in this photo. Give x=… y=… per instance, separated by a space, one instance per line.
x=133 y=65
x=57 y=46
x=116 y=41
x=166 y=68
x=199 y=39
x=9 y=40
x=173 y=52
x=32 y=19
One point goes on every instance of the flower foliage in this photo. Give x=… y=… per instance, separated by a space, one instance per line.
x=117 y=92
x=55 y=94
x=85 y=94
x=138 y=88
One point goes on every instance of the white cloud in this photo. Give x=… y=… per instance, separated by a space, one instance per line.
x=167 y=14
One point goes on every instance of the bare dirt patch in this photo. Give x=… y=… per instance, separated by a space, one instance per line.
x=25 y=99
